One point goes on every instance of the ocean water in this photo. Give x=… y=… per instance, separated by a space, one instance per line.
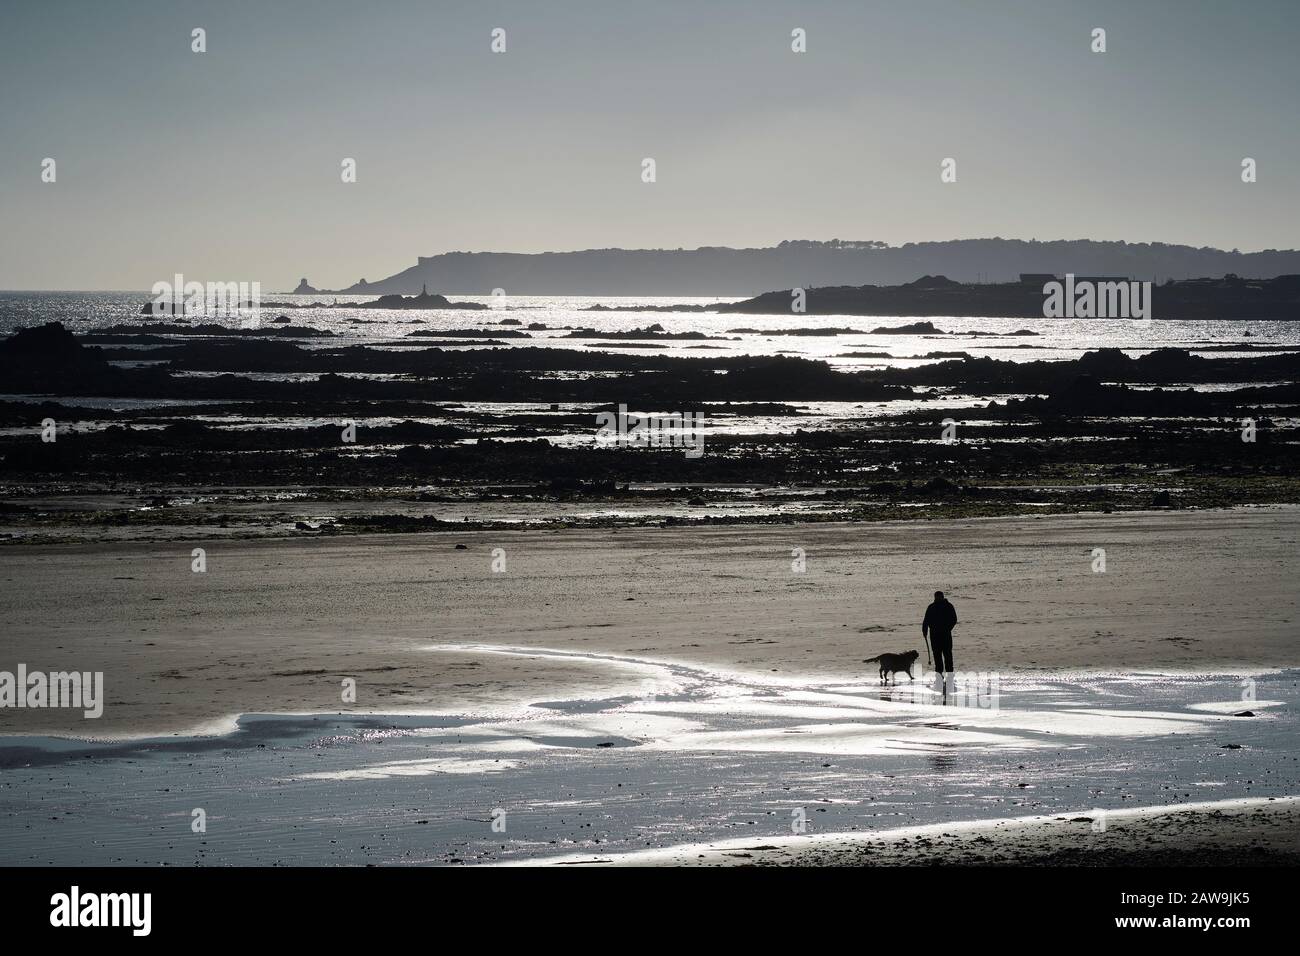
x=1056 y=338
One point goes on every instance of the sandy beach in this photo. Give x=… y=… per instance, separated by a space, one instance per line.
x=664 y=696
x=274 y=626
x=1263 y=832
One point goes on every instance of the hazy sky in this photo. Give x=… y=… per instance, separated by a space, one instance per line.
x=225 y=165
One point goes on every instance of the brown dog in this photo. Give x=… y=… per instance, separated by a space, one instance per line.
x=893 y=663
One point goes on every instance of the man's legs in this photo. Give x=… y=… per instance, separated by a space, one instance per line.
x=942 y=646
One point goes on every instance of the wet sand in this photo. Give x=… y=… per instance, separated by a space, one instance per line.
x=1263 y=832
x=668 y=769
x=274 y=626
x=674 y=764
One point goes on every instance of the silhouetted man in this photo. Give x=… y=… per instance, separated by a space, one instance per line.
x=940 y=619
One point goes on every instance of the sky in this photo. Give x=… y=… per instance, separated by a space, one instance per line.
x=225 y=165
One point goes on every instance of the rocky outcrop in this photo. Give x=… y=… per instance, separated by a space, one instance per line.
x=48 y=357
x=422 y=301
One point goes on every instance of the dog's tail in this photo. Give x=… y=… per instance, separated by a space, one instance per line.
x=872 y=660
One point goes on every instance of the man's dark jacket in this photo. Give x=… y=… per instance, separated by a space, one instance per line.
x=940 y=619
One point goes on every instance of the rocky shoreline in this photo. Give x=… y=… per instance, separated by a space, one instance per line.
x=233 y=408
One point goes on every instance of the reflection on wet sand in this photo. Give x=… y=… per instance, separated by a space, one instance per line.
x=673 y=754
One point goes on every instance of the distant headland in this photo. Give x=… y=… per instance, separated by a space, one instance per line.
x=1229 y=297
x=723 y=271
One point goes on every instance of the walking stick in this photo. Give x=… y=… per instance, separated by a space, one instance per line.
x=927 y=648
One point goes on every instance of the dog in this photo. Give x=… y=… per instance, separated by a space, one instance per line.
x=893 y=663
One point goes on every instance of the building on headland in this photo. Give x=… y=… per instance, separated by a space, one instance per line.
x=1039 y=278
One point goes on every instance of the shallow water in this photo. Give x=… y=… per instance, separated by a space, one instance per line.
x=666 y=754
x=1056 y=338
x=573 y=425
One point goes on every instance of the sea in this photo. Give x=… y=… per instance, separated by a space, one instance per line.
x=1054 y=339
